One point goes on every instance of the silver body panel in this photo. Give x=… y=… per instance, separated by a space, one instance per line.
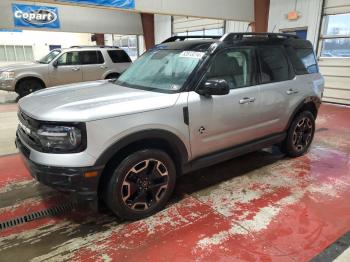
x=61 y=75
x=112 y=112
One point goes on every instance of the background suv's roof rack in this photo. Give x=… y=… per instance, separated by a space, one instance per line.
x=239 y=36
x=182 y=38
x=99 y=46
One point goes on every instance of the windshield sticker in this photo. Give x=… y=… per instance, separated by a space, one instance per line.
x=192 y=54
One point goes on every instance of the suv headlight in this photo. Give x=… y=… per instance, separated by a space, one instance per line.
x=7 y=75
x=61 y=139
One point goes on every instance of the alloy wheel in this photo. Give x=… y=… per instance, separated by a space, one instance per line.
x=302 y=134
x=145 y=184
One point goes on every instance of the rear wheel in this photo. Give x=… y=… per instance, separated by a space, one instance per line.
x=141 y=184
x=27 y=86
x=300 y=135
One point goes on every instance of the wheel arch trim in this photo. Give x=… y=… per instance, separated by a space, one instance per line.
x=311 y=99
x=173 y=140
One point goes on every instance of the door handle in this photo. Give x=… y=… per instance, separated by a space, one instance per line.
x=75 y=69
x=292 y=91
x=247 y=100
x=103 y=67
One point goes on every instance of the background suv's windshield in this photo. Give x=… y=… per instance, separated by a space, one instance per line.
x=161 y=69
x=49 y=57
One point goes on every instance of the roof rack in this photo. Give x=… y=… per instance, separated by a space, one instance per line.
x=182 y=38
x=239 y=36
x=88 y=46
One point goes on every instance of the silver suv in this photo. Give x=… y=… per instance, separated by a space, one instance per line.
x=64 y=66
x=182 y=106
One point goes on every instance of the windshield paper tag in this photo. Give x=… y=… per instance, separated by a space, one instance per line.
x=192 y=54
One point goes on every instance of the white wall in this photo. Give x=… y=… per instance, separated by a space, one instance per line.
x=162 y=28
x=40 y=40
x=220 y=9
x=310 y=14
x=240 y=10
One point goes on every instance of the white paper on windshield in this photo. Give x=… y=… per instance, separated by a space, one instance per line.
x=192 y=54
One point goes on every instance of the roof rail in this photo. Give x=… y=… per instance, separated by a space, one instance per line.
x=239 y=36
x=87 y=46
x=182 y=38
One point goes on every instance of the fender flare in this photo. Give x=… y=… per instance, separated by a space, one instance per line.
x=176 y=144
x=311 y=99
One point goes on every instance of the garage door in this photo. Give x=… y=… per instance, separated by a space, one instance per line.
x=197 y=26
x=202 y=26
x=335 y=51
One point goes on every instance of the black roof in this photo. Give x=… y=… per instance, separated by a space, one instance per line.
x=233 y=39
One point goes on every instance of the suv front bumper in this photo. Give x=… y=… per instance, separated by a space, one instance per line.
x=66 y=179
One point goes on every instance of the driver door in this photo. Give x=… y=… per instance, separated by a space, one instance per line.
x=219 y=122
x=67 y=69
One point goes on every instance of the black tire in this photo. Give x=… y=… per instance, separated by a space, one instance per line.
x=300 y=135
x=113 y=76
x=28 y=86
x=136 y=188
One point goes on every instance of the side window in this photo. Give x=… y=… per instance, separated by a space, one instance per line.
x=119 y=56
x=274 y=65
x=69 y=58
x=303 y=60
x=236 y=66
x=91 y=57
x=308 y=59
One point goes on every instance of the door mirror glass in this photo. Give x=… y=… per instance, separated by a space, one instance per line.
x=214 y=87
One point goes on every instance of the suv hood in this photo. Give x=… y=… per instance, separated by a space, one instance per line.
x=89 y=101
x=20 y=66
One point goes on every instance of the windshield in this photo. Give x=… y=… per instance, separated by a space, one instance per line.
x=50 y=56
x=165 y=70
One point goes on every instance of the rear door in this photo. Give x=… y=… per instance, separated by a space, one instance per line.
x=93 y=65
x=67 y=69
x=219 y=122
x=278 y=87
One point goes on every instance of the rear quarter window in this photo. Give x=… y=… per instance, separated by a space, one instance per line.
x=119 y=56
x=303 y=60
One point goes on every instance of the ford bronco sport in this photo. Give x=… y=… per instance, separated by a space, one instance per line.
x=182 y=106
x=64 y=66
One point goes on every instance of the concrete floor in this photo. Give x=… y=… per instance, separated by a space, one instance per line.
x=259 y=207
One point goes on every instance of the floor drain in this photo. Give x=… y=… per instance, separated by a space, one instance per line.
x=52 y=211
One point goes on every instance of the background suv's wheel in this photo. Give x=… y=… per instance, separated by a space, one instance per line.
x=300 y=135
x=141 y=184
x=27 y=86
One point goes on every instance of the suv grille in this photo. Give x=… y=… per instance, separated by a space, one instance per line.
x=27 y=129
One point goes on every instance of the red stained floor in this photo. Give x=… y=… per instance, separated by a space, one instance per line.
x=8 y=108
x=260 y=207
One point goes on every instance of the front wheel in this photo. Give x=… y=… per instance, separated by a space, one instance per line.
x=141 y=184
x=300 y=135
x=28 y=86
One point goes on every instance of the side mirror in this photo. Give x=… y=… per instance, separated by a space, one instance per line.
x=214 y=87
x=55 y=64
